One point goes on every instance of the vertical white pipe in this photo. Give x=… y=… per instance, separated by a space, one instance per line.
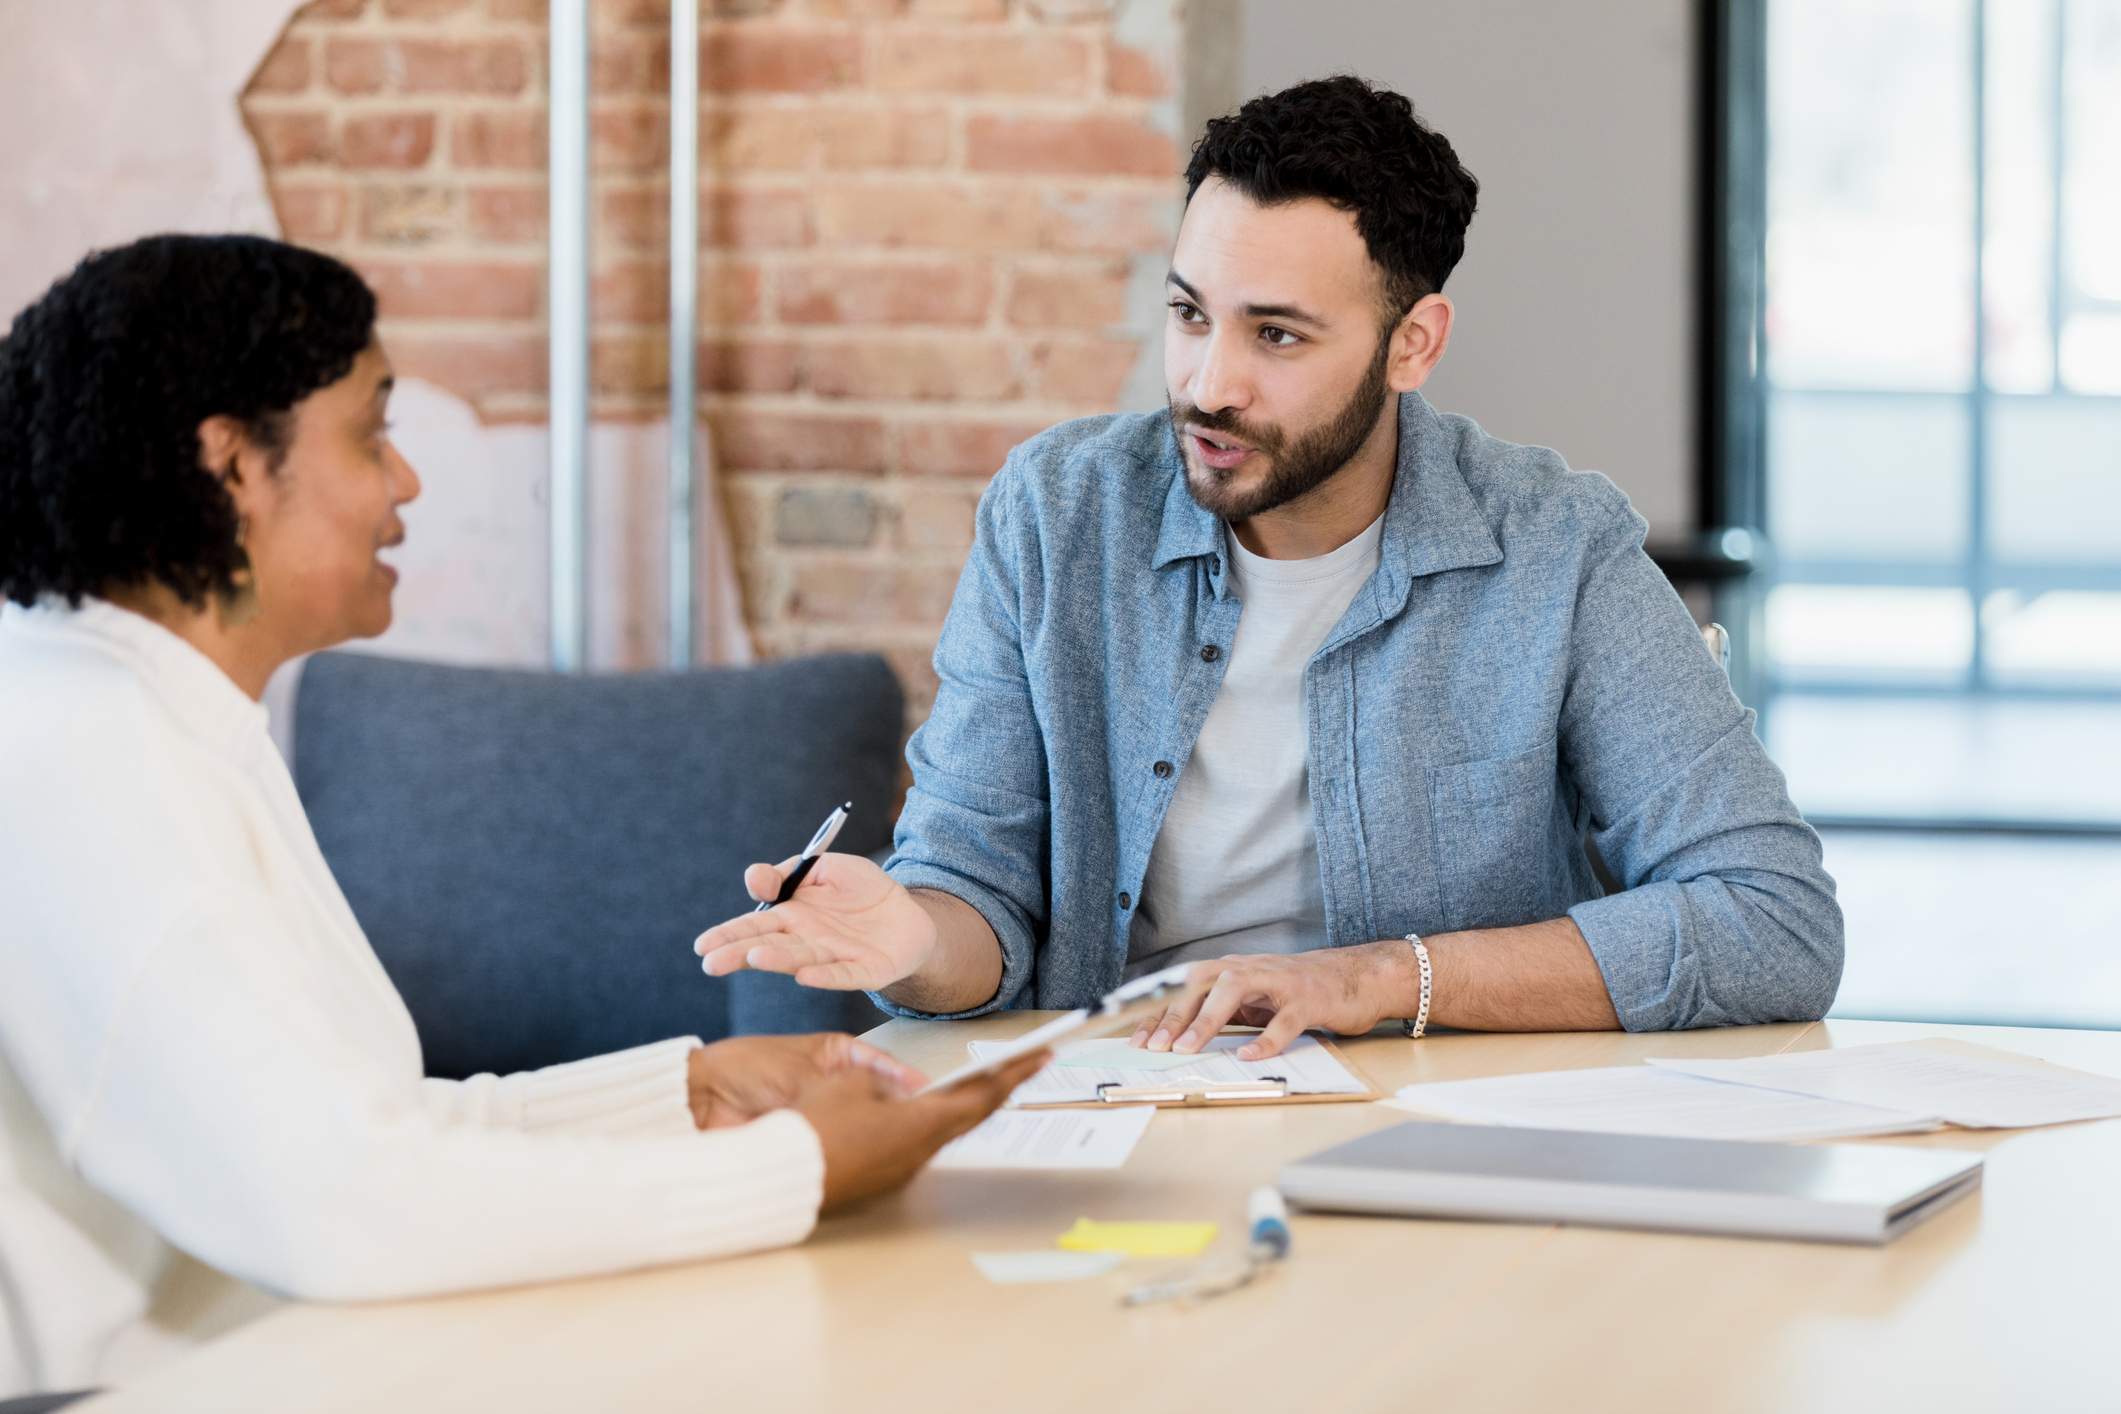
x=684 y=299
x=567 y=316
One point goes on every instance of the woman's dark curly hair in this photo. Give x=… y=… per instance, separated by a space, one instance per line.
x=105 y=380
x=1362 y=149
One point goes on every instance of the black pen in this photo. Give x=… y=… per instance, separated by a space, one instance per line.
x=819 y=843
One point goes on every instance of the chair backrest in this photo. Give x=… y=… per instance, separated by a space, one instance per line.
x=532 y=854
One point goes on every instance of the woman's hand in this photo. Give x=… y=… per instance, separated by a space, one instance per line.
x=736 y=1081
x=850 y=927
x=874 y=1139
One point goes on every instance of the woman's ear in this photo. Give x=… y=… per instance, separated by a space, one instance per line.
x=227 y=454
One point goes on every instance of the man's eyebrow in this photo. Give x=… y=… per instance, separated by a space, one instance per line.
x=1292 y=312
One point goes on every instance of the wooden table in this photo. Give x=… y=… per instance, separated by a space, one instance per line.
x=2006 y=1301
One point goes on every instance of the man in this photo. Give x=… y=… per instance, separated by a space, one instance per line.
x=1310 y=683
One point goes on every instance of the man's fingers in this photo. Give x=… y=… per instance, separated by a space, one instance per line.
x=744 y=928
x=1284 y=1028
x=1216 y=1009
x=1175 y=1018
x=763 y=882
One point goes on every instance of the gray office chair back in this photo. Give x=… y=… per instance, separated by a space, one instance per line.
x=532 y=854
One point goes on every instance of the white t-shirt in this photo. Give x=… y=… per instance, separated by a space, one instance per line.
x=1235 y=866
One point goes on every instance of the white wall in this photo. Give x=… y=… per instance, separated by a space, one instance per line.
x=1576 y=297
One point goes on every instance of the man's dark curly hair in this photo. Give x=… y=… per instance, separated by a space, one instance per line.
x=105 y=380
x=1362 y=149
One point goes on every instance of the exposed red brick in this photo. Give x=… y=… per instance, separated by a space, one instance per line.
x=434 y=289
x=1095 y=144
x=509 y=215
x=393 y=140
x=621 y=64
x=309 y=215
x=426 y=9
x=285 y=70
x=510 y=138
x=930 y=215
x=923 y=367
x=927 y=293
x=937 y=519
x=629 y=363
x=356 y=66
x=292 y=139
x=471 y=365
x=1092 y=295
x=747 y=366
x=631 y=292
x=960 y=448
x=631 y=137
x=332 y=10
x=792 y=139
x=748 y=439
x=744 y=59
x=870 y=594
x=981 y=61
x=1091 y=372
x=1106 y=219
x=413 y=214
x=1135 y=73
x=777 y=216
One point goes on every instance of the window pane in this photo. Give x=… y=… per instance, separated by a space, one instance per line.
x=2018 y=253
x=1870 y=194
x=1910 y=635
x=2054 y=480
x=2091 y=192
x=2053 y=640
x=1867 y=478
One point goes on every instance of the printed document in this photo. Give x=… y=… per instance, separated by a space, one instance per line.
x=1968 y=1085
x=1308 y=1067
x=1640 y=1099
x=1049 y=1139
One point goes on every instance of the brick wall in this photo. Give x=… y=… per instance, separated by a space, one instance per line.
x=921 y=223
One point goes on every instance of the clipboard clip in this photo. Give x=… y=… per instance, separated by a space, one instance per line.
x=1267 y=1087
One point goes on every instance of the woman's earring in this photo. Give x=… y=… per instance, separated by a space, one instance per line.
x=238 y=604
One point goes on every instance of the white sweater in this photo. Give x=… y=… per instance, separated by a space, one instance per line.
x=200 y=1053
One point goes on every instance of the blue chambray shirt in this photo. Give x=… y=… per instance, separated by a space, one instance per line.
x=1517 y=675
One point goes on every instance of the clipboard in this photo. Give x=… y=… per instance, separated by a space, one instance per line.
x=1178 y=1094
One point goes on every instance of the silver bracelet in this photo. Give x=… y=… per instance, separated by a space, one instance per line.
x=1420 y=1021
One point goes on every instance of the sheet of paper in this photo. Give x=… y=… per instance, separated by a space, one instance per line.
x=1020 y=1268
x=1138 y=1239
x=1968 y=1085
x=1309 y=1068
x=1116 y=1053
x=1639 y=1099
x=1049 y=1139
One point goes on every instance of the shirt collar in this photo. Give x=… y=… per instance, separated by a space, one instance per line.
x=1432 y=522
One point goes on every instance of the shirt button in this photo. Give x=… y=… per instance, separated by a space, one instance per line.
x=1215 y=564
x=1126 y=901
x=1209 y=653
x=1163 y=770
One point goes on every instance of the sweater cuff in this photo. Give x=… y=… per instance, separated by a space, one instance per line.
x=644 y=1090
x=768 y=1200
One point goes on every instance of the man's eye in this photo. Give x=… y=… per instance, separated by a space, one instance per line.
x=1187 y=314
x=1279 y=337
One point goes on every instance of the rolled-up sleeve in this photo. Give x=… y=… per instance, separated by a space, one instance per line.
x=975 y=821
x=1727 y=915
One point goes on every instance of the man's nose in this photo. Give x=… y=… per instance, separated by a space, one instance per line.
x=1218 y=382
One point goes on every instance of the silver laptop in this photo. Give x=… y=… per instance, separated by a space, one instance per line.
x=1820 y=1192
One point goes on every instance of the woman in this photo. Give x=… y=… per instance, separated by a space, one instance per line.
x=197 y=484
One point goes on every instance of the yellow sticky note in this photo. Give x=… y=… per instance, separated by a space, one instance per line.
x=1138 y=1239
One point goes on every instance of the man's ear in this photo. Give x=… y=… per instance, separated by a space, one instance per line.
x=1418 y=343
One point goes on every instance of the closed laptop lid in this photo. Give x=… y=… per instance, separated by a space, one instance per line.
x=1887 y=1178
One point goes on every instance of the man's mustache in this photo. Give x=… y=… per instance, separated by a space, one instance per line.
x=1259 y=438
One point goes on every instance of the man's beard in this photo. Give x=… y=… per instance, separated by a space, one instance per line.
x=1295 y=469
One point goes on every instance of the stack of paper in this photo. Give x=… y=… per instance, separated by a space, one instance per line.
x=1049 y=1139
x=1896 y=1088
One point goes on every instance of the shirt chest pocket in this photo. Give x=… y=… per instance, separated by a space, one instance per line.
x=1491 y=821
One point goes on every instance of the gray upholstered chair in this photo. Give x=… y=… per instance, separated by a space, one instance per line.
x=532 y=854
